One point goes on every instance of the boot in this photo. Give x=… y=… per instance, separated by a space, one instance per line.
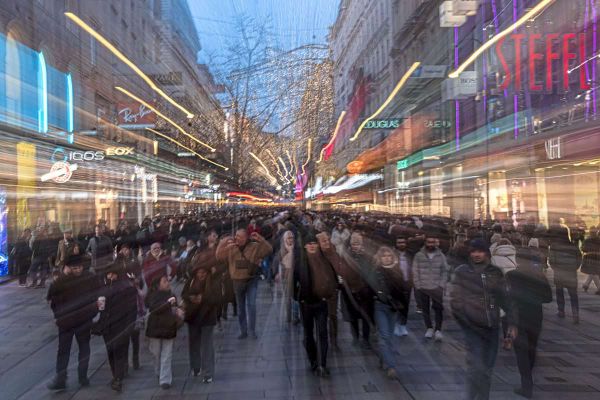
x=58 y=384
x=333 y=333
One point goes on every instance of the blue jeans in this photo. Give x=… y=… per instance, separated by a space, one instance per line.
x=385 y=318
x=245 y=295
x=482 y=349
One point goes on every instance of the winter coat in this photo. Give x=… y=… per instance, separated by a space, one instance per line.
x=591 y=258
x=428 y=273
x=477 y=296
x=66 y=250
x=529 y=289
x=73 y=300
x=243 y=264
x=120 y=311
x=340 y=238
x=162 y=323
x=390 y=286
x=42 y=248
x=531 y=258
x=101 y=250
x=504 y=256
x=347 y=270
x=304 y=279
x=153 y=268
x=21 y=254
x=205 y=313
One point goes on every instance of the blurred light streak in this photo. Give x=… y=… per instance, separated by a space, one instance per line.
x=271 y=177
x=125 y=60
x=70 y=107
x=308 y=157
x=388 y=100
x=480 y=50
x=42 y=94
x=284 y=166
x=187 y=148
x=179 y=128
x=335 y=133
x=249 y=196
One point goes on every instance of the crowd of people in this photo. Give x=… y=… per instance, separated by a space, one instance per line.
x=118 y=284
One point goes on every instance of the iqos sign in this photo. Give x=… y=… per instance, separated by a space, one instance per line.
x=60 y=154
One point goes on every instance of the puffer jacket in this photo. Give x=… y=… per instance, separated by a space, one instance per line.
x=504 y=256
x=478 y=295
x=428 y=273
x=162 y=323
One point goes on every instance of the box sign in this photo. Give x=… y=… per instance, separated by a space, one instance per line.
x=544 y=54
x=402 y=164
x=383 y=123
x=463 y=87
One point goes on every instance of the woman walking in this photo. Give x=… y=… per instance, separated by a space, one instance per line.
x=591 y=261
x=162 y=328
x=284 y=262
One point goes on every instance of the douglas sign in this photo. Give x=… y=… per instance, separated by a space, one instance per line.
x=545 y=55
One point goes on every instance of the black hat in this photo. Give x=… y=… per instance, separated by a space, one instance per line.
x=112 y=267
x=310 y=237
x=75 y=260
x=478 y=245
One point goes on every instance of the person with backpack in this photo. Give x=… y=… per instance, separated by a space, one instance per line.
x=564 y=258
x=314 y=284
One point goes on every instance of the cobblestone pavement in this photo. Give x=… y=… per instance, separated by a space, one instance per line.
x=275 y=367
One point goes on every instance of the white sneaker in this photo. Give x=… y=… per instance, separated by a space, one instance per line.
x=429 y=333
x=438 y=336
x=398 y=330
x=403 y=330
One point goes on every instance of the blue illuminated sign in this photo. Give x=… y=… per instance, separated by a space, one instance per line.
x=3 y=234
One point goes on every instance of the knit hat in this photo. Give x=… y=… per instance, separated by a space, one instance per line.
x=310 y=237
x=75 y=260
x=478 y=245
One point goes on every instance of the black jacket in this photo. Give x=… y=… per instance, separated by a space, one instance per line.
x=73 y=299
x=120 y=311
x=162 y=324
x=529 y=289
x=477 y=297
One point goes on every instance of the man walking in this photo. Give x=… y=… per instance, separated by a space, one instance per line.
x=243 y=258
x=73 y=300
x=430 y=268
x=100 y=249
x=405 y=261
x=67 y=247
x=478 y=293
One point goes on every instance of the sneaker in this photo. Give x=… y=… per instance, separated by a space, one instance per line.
x=397 y=330
x=57 y=386
x=429 y=333
x=438 y=336
x=165 y=386
x=243 y=336
x=391 y=373
x=196 y=372
x=22 y=285
x=403 y=330
x=419 y=310
x=207 y=379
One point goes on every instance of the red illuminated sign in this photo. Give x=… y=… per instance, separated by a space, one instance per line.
x=543 y=51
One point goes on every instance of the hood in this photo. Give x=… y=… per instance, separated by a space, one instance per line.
x=505 y=250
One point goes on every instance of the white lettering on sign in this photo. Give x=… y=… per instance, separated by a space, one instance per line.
x=553 y=148
x=383 y=123
x=437 y=123
x=119 y=151
x=60 y=172
x=86 y=156
x=129 y=116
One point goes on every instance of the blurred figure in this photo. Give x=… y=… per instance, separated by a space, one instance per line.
x=100 y=249
x=565 y=258
x=253 y=228
x=591 y=261
x=67 y=247
x=429 y=272
x=504 y=256
x=390 y=291
x=161 y=328
x=340 y=236
x=243 y=259
x=314 y=284
x=405 y=261
x=478 y=292
x=184 y=269
x=117 y=320
x=73 y=299
x=202 y=298
x=157 y=264
x=42 y=249
x=284 y=259
x=529 y=289
x=361 y=305
x=21 y=253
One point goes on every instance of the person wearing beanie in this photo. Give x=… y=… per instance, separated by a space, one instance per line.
x=72 y=297
x=479 y=290
x=314 y=284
